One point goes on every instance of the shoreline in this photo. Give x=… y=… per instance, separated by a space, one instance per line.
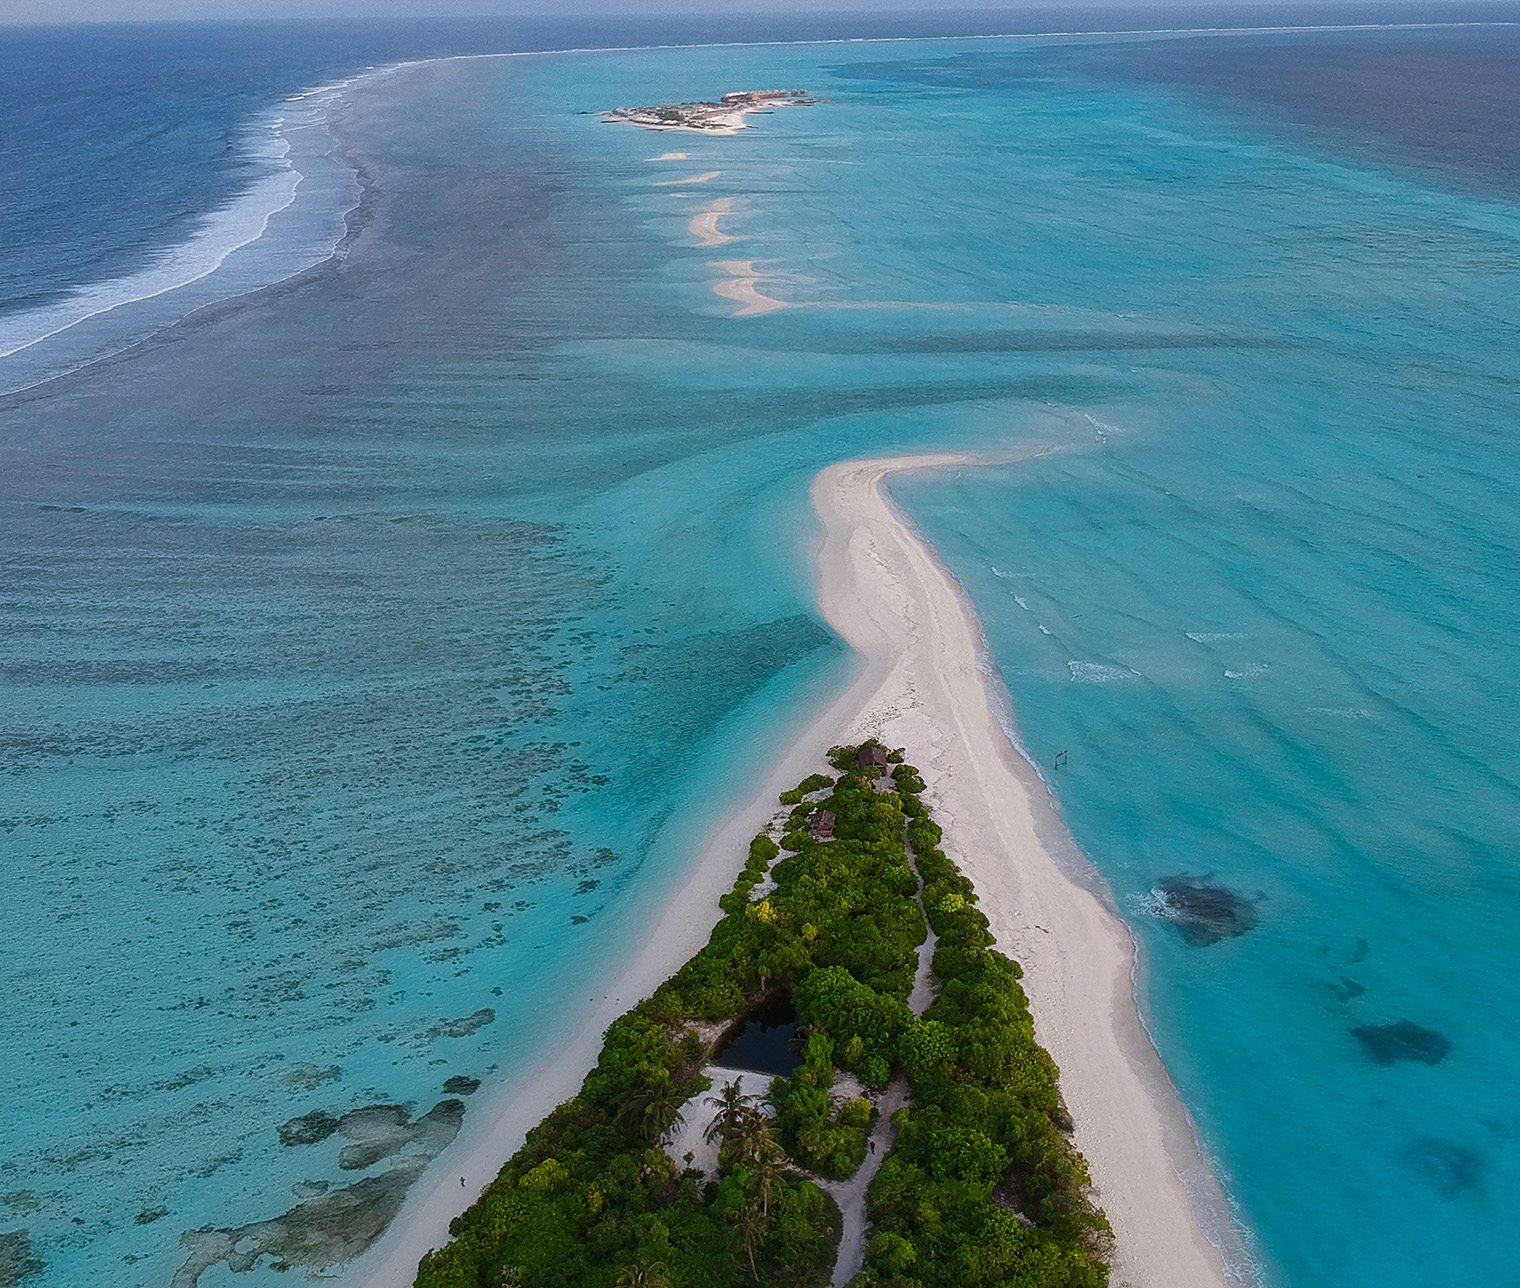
x=891 y=597
x=920 y=684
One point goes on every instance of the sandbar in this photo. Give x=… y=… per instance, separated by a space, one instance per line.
x=740 y=286
x=708 y=177
x=704 y=226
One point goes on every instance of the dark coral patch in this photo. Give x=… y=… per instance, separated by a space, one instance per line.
x=461 y=1028
x=461 y=1085
x=1348 y=990
x=1454 y=1170
x=330 y=1227
x=383 y=1131
x=1390 y=1043
x=1204 y=912
x=16 y=1260
x=308 y=1129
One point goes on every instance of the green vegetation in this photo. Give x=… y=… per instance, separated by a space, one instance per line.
x=982 y=1186
x=592 y=1199
x=810 y=784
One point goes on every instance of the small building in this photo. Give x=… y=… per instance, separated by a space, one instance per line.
x=821 y=825
x=872 y=756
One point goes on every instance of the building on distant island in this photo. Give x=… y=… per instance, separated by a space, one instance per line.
x=821 y=825
x=723 y=117
x=742 y=96
x=872 y=756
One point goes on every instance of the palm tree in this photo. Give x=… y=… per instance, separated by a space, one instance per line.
x=654 y=1110
x=649 y=1274
x=733 y=1107
x=798 y=1272
x=751 y=1223
x=769 y=1173
x=756 y=1139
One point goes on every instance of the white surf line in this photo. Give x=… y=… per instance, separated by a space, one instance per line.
x=704 y=226
x=706 y=177
x=740 y=286
x=1004 y=35
x=218 y=233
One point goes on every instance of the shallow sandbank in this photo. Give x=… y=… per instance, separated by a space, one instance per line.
x=706 y=177
x=704 y=226
x=741 y=286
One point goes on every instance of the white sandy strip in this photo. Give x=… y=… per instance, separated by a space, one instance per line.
x=739 y=286
x=886 y=592
x=694 y=178
x=671 y=156
x=704 y=226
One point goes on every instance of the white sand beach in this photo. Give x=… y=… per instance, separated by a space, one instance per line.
x=888 y=594
x=740 y=286
x=704 y=226
x=706 y=177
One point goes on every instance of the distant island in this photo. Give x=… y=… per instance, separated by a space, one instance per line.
x=723 y=117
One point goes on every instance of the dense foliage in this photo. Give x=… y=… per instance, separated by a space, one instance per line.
x=981 y=1187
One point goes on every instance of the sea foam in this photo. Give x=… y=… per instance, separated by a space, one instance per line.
x=290 y=217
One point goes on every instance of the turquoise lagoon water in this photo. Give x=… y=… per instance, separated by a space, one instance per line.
x=377 y=646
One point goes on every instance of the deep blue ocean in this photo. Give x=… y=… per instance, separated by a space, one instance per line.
x=405 y=557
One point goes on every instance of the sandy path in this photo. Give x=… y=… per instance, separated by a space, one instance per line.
x=850 y=1195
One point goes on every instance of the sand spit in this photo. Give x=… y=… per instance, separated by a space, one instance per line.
x=919 y=686
x=708 y=177
x=704 y=226
x=885 y=590
x=671 y=156
x=739 y=286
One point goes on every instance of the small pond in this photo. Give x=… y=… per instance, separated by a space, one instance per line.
x=765 y=1041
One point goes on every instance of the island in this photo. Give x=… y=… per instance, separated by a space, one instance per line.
x=843 y=1086
x=723 y=117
